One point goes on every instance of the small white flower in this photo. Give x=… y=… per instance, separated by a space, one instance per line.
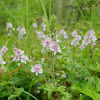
x=82 y=47
x=62 y=32
x=24 y=59
x=19 y=52
x=63 y=75
x=78 y=38
x=22 y=31
x=55 y=47
x=2 y=62
x=92 y=31
x=43 y=26
x=37 y=69
x=47 y=43
x=9 y=25
x=4 y=49
x=74 y=42
x=16 y=58
x=19 y=28
x=57 y=74
x=93 y=37
x=74 y=33
x=35 y=25
x=42 y=60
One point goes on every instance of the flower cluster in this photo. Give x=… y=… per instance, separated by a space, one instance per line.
x=40 y=34
x=2 y=51
x=76 y=39
x=35 y=25
x=9 y=28
x=22 y=31
x=19 y=55
x=52 y=45
x=37 y=69
x=89 y=38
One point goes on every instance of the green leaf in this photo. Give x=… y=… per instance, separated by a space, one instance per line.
x=61 y=89
x=87 y=91
x=19 y=91
x=67 y=96
x=47 y=87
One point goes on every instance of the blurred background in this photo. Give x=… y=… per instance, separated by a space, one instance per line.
x=71 y=13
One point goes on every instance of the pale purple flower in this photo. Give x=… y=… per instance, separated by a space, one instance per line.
x=82 y=47
x=16 y=58
x=64 y=35
x=42 y=60
x=93 y=37
x=57 y=74
x=19 y=28
x=62 y=31
x=74 y=42
x=37 y=69
x=24 y=59
x=2 y=62
x=9 y=25
x=4 y=49
x=74 y=33
x=22 y=32
x=43 y=26
x=43 y=36
x=55 y=47
x=89 y=34
x=86 y=40
x=63 y=75
x=47 y=43
x=78 y=37
x=35 y=25
x=13 y=29
x=19 y=52
x=92 y=31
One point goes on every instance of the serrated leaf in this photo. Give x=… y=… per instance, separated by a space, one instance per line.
x=47 y=87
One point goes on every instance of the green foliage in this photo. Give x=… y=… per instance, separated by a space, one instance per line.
x=87 y=91
x=82 y=68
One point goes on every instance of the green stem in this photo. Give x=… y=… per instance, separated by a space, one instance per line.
x=27 y=93
x=80 y=11
x=12 y=91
